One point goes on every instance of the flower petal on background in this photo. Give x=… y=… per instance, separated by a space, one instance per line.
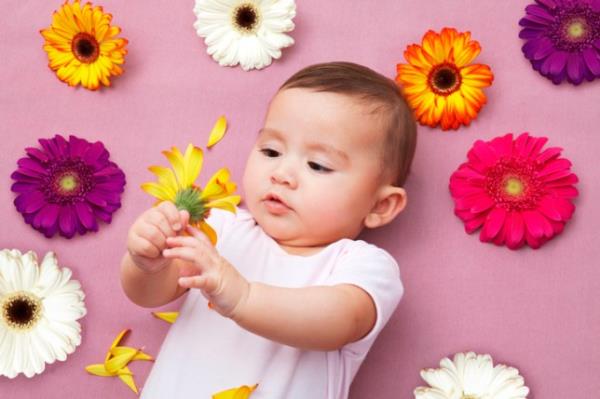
x=169 y=317
x=217 y=132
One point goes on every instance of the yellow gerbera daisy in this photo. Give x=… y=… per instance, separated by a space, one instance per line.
x=177 y=185
x=439 y=82
x=82 y=45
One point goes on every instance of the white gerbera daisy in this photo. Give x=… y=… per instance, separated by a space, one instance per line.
x=472 y=376
x=39 y=306
x=248 y=32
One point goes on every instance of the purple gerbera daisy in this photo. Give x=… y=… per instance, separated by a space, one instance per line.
x=66 y=186
x=563 y=39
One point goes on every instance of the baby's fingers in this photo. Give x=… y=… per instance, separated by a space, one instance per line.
x=170 y=212
x=184 y=253
x=153 y=234
x=199 y=235
x=142 y=247
x=182 y=241
x=206 y=283
x=203 y=249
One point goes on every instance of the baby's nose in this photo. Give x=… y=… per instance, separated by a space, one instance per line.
x=285 y=176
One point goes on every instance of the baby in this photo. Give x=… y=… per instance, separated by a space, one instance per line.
x=295 y=300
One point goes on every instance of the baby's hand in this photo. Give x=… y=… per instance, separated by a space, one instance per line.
x=148 y=235
x=208 y=271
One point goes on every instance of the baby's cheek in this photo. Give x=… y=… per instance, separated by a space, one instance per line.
x=329 y=216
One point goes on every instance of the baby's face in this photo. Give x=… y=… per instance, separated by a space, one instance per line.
x=310 y=178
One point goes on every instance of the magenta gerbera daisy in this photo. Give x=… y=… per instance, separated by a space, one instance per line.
x=515 y=192
x=563 y=39
x=65 y=186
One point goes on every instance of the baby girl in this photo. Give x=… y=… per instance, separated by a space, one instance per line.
x=296 y=301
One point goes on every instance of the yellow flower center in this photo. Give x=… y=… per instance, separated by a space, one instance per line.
x=246 y=18
x=21 y=310
x=68 y=183
x=469 y=397
x=576 y=29
x=514 y=186
x=85 y=47
x=444 y=79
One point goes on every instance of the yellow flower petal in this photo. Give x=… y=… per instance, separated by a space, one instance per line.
x=227 y=203
x=118 y=362
x=477 y=75
x=169 y=317
x=98 y=369
x=128 y=380
x=166 y=178
x=158 y=191
x=242 y=392
x=138 y=353
x=116 y=342
x=175 y=158
x=416 y=57
x=216 y=185
x=209 y=231
x=192 y=163
x=217 y=132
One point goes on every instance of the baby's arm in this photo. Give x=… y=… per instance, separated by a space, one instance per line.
x=148 y=279
x=317 y=318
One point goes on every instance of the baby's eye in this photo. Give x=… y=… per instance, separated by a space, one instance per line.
x=269 y=152
x=319 y=168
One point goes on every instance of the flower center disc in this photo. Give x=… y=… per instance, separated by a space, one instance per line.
x=246 y=18
x=85 y=47
x=576 y=30
x=189 y=200
x=68 y=182
x=444 y=79
x=21 y=310
x=514 y=187
x=513 y=184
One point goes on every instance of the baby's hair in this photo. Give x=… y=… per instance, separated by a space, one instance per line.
x=364 y=83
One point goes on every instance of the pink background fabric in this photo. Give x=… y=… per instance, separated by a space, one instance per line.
x=535 y=310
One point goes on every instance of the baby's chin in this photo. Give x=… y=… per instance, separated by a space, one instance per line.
x=278 y=229
x=287 y=236
x=284 y=231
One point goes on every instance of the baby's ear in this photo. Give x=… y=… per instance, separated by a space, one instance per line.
x=391 y=201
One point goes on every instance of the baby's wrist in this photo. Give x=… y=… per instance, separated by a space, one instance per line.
x=238 y=310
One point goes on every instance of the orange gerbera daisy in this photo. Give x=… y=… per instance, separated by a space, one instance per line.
x=439 y=81
x=82 y=45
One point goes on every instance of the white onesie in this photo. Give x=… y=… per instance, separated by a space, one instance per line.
x=205 y=353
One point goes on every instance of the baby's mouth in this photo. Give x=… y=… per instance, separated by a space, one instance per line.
x=275 y=204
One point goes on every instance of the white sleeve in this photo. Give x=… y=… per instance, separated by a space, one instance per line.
x=219 y=220
x=375 y=271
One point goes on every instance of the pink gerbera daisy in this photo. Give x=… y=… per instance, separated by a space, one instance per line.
x=514 y=191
